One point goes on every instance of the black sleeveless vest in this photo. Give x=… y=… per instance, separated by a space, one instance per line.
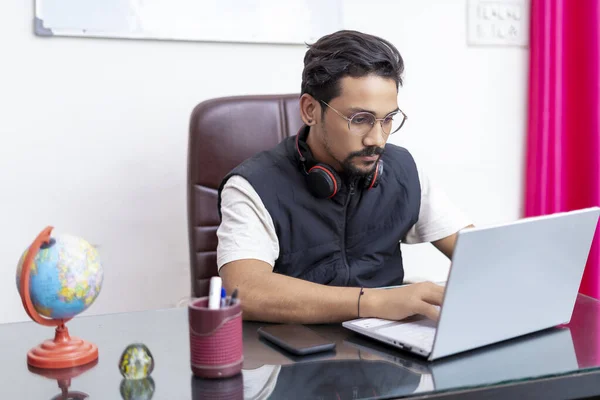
x=351 y=239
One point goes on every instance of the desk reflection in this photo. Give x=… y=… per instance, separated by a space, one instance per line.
x=362 y=368
x=218 y=389
x=63 y=379
x=549 y=352
x=137 y=389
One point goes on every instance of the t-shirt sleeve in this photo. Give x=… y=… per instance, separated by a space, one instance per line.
x=438 y=216
x=246 y=230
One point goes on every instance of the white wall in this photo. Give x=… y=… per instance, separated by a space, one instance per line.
x=94 y=135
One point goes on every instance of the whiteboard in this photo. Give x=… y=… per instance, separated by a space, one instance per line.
x=253 y=21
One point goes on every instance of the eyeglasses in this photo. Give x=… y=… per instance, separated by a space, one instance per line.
x=361 y=123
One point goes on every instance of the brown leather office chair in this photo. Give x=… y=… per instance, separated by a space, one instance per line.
x=223 y=133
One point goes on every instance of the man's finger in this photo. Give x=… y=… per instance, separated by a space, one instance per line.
x=435 y=295
x=428 y=310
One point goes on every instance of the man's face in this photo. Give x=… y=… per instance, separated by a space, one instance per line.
x=357 y=154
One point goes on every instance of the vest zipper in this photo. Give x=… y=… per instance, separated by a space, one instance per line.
x=344 y=255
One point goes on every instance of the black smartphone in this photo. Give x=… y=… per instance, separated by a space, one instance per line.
x=297 y=339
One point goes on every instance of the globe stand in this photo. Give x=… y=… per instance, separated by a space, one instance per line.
x=63 y=351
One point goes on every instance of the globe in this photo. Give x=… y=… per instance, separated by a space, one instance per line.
x=65 y=277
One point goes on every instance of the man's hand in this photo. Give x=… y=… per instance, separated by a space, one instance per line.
x=399 y=303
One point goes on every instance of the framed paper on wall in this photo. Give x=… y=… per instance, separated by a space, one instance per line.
x=252 y=21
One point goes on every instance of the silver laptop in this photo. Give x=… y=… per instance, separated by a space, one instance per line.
x=505 y=281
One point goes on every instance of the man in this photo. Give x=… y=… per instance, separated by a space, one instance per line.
x=310 y=227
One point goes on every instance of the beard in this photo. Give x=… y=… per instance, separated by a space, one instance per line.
x=352 y=170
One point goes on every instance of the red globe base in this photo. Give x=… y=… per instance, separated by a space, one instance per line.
x=62 y=352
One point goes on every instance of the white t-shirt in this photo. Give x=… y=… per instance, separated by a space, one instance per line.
x=247 y=231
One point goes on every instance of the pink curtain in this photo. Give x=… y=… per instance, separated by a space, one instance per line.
x=563 y=143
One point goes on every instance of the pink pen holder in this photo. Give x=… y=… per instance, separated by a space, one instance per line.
x=216 y=348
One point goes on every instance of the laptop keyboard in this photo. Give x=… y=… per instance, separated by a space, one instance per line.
x=418 y=333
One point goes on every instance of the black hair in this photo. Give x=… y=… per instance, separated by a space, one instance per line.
x=347 y=53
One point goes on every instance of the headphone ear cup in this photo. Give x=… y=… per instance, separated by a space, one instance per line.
x=323 y=182
x=373 y=180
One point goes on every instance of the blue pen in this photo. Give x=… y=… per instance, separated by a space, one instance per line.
x=223 y=297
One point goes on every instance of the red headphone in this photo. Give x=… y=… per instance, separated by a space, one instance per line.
x=323 y=181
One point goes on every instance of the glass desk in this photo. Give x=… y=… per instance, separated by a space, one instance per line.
x=562 y=362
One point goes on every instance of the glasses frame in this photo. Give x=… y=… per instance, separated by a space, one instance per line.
x=349 y=119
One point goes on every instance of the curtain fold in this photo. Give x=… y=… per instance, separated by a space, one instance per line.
x=563 y=130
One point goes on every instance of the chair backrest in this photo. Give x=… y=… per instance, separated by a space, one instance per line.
x=223 y=133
